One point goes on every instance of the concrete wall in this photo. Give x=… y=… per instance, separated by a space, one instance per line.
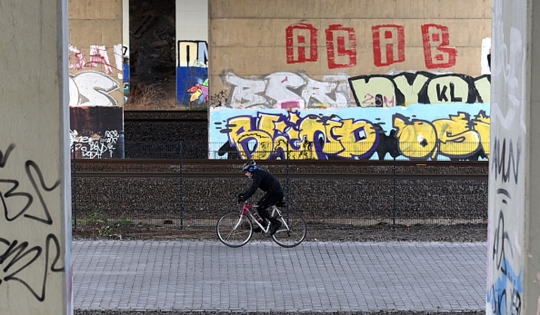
x=96 y=78
x=513 y=248
x=349 y=79
x=355 y=37
x=35 y=237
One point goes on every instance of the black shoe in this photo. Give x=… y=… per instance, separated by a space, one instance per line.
x=274 y=227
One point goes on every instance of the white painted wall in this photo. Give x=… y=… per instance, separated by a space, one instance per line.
x=35 y=222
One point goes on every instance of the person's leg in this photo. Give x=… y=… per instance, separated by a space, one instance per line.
x=264 y=203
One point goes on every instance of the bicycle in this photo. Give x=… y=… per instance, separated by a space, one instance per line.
x=235 y=229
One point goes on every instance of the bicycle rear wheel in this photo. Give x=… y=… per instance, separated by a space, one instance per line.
x=234 y=230
x=293 y=230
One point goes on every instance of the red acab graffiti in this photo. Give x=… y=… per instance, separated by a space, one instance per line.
x=388 y=45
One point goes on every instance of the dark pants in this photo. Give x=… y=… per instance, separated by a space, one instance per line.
x=269 y=199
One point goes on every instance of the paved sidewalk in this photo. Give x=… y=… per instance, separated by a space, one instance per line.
x=315 y=276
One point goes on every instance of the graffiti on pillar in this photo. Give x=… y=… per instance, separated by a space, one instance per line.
x=419 y=87
x=98 y=59
x=388 y=40
x=92 y=88
x=192 y=73
x=267 y=91
x=505 y=292
x=388 y=44
x=413 y=133
x=437 y=50
x=96 y=132
x=301 y=43
x=340 y=46
x=21 y=259
x=335 y=91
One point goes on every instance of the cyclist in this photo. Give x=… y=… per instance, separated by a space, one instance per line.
x=273 y=193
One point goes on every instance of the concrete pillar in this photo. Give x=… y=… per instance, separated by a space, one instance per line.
x=35 y=199
x=513 y=273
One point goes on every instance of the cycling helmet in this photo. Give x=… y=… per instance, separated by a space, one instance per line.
x=249 y=166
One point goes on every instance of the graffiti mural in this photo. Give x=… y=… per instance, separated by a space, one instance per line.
x=335 y=91
x=420 y=87
x=97 y=132
x=92 y=88
x=192 y=73
x=98 y=59
x=505 y=291
x=408 y=133
x=96 y=96
x=267 y=92
x=28 y=262
x=388 y=40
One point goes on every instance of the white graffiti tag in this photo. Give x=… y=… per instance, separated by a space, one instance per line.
x=94 y=147
x=268 y=91
x=92 y=88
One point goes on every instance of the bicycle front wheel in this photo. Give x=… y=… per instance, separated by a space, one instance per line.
x=234 y=230
x=293 y=230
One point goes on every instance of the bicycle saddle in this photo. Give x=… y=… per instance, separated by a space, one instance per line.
x=281 y=204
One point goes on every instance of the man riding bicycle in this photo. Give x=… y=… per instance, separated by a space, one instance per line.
x=274 y=193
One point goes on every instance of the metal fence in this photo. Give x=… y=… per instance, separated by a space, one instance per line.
x=176 y=195
x=382 y=149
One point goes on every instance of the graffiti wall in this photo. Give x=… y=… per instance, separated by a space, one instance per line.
x=192 y=73
x=407 y=133
x=326 y=83
x=96 y=83
x=192 y=52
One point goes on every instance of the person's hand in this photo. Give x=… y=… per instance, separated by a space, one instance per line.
x=240 y=198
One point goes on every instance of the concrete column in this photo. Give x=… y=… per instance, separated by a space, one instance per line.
x=35 y=205
x=513 y=273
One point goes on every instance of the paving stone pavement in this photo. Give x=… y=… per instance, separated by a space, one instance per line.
x=263 y=277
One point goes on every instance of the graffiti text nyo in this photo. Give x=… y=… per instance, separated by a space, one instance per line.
x=368 y=91
x=388 y=45
x=20 y=260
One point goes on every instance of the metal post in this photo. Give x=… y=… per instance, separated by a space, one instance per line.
x=181 y=190
x=74 y=186
x=288 y=199
x=395 y=183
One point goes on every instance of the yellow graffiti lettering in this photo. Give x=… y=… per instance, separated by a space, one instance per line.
x=251 y=144
x=455 y=137
x=267 y=122
x=358 y=137
x=482 y=126
x=303 y=153
x=416 y=139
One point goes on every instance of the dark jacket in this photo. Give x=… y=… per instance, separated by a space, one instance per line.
x=265 y=181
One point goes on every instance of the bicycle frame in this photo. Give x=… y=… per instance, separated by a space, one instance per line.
x=233 y=230
x=248 y=207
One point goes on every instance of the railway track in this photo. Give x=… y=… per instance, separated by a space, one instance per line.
x=293 y=169
x=157 y=116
